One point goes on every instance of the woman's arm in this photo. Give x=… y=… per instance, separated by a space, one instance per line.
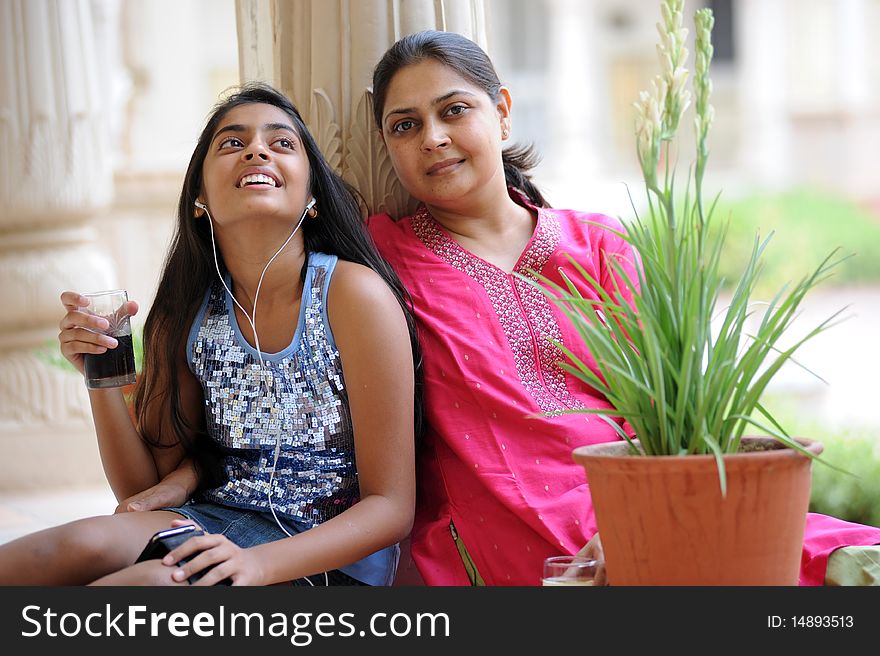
x=167 y=452
x=174 y=489
x=374 y=345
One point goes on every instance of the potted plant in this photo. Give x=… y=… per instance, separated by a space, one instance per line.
x=702 y=504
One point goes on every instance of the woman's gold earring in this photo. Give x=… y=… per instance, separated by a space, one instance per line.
x=504 y=133
x=313 y=212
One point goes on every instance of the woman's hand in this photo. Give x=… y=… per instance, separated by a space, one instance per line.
x=164 y=494
x=592 y=550
x=172 y=491
x=81 y=332
x=229 y=560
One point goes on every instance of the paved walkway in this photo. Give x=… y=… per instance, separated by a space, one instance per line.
x=847 y=356
x=24 y=513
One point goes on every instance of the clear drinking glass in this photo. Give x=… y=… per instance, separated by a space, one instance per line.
x=568 y=570
x=114 y=367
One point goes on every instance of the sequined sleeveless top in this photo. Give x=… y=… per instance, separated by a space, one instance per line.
x=302 y=399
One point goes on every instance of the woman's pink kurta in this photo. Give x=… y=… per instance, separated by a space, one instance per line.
x=493 y=463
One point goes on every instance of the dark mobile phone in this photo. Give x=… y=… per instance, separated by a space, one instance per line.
x=166 y=541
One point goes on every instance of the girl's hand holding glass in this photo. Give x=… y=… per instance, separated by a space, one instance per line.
x=82 y=333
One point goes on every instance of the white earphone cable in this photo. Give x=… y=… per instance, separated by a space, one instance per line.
x=252 y=321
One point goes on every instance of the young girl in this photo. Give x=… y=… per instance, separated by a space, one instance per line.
x=279 y=368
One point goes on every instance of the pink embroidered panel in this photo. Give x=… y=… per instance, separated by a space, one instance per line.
x=524 y=312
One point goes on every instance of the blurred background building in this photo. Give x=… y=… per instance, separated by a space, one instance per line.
x=101 y=102
x=796 y=91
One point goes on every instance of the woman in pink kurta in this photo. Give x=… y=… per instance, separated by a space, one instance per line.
x=498 y=490
x=494 y=466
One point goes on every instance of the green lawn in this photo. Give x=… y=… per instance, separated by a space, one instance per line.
x=808 y=225
x=852 y=496
x=855 y=497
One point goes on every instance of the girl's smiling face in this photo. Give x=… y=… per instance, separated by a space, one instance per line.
x=443 y=133
x=256 y=165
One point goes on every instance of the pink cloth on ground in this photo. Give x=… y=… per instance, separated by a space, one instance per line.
x=492 y=463
x=824 y=534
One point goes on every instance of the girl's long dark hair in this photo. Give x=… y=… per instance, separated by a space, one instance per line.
x=188 y=273
x=470 y=61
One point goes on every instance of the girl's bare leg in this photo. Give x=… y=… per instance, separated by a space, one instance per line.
x=149 y=572
x=82 y=551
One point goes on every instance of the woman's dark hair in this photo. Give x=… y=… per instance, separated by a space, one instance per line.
x=470 y=61
x=189 y=272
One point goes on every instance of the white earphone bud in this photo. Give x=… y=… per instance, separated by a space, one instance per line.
x=200 y=205
x=311 y=204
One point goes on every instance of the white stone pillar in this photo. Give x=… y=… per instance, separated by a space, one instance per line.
x=765 y=146
x=860 y=131
x=55 y=175
x=572 y=82
x=322 y=55
x=853 y=58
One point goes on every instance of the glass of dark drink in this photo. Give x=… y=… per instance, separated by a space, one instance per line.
x=114 y=367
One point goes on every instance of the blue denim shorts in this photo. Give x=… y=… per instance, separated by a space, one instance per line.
x=249 y=528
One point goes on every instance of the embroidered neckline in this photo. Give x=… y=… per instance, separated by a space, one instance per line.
x=515 y=301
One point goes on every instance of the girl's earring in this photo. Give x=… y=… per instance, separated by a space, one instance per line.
x=505 y=133
x=313 y=212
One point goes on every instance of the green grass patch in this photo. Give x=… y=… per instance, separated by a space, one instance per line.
x=852 y=496
x=807 y=225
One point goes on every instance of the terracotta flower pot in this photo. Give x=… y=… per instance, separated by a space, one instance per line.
x=663 y=520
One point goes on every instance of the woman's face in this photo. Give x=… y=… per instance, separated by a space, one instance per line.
x=256 y=166
x=443 y=133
